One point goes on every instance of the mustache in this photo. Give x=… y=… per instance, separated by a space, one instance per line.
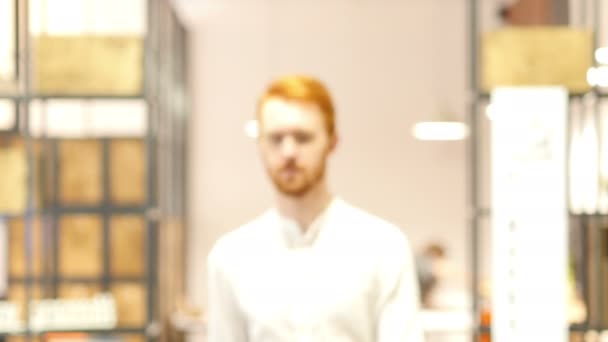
x=290 y=165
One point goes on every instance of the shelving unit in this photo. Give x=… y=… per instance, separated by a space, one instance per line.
x=587 y=228
x=161 y=210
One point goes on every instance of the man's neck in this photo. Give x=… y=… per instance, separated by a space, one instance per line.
x=305 y=209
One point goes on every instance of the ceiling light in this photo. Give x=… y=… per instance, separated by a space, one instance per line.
x=598 y=76
x=7 y=115
x=601 y=55
x=251 y=129
x=440 y=130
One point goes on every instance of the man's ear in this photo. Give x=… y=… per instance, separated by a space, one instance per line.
x=333 y=142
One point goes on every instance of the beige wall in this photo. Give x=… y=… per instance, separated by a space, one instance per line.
x=389 y=64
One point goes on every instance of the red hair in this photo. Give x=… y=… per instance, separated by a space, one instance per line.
x=305 y=89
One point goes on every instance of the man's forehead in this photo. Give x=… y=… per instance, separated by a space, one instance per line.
x=288 y=108
x=281 y=111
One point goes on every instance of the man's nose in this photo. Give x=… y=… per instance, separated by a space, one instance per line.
x=289 y=147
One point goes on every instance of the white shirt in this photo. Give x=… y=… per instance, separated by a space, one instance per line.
x=349 y=278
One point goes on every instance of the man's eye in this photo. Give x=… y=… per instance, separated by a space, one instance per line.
x=303 y=137
x=275 y=139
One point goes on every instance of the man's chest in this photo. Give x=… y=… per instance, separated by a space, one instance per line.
x=305 y=288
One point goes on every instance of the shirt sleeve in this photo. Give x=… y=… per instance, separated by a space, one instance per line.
x=225 y=322
x=399 y=302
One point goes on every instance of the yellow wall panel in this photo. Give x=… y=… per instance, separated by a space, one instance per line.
x=131 y=304
x=80 y=178
x=127 y=246
x=537 y=56
x=127 y=172
x=88 y=65
x=80 y=246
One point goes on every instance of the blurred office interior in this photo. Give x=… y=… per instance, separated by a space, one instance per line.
x=126 y=151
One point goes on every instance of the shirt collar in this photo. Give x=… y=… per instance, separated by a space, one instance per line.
x=295 y=237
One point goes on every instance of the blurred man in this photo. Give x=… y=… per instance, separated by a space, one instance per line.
x=313 y=268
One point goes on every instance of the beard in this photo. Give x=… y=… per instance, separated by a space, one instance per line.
x=299 y=181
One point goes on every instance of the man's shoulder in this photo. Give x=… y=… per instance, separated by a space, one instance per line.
x=239 y=239
x=375 y=233
x=362 y=218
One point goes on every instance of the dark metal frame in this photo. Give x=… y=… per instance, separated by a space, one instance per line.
x=475 y=210
x=165 y=53
x=473 y=174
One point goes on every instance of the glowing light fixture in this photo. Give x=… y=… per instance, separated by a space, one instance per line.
x=251 y=129
x=440 y=130
x=7 y=115
x=598 y=76
x=601 y=55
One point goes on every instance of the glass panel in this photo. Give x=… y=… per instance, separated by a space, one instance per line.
x=577 y=281
x=63 y=118
x=17 y=247
x=7 y=42
x=603 y=141
x=118 y=17
x=80 y=246
x=127 y=246
x=88 y=47
x=127 y=171
x=88 y=65
x=132 y=338
x=17 y=294
x=123 y=118
x=84 y=337
x=79 y=119
x=77 y=306
x=57 y=16
x=7 y=115
x=13 y=182
x=80 y=172
x=577 y=337
x=575 y=202
x=4 y=247
x=68 y=337
x=602 y=33
x=77 y=17
x=512 y=56
x=22 y=339
x=131 y=304
x=603 y=268
x=78 y=290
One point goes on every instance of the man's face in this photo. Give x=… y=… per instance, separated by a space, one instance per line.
x=294 y=144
